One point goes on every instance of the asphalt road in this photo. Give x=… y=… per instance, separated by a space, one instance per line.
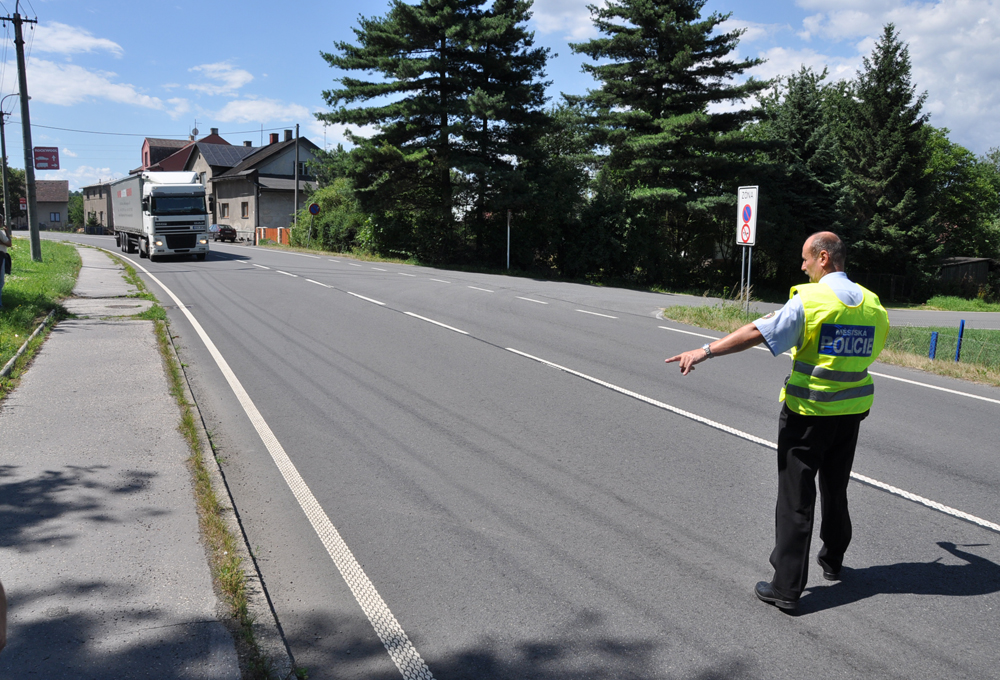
x=521 y=521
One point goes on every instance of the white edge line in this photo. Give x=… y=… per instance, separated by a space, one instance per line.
x=392 y=635
x=881 y=375
x=436 y=323
x=763 y=442
x=485 y=290
x=530 y=300
x=366 y=299
x=606 y=316
x=259 y=265
x=318 y=283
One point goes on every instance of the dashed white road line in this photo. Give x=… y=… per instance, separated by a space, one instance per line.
x=606 y=316
x=259 y=265
x=294 y=276
x=530 y=300
x=353 y=264
x=880 y=375
x=318 y=283
x=366 y=299
x=485 y=290
x=440 y=280
x=763 y=442
x=436 y=323
x=332 y=260
x=409 y=662
x=404 y=274
x=379 y=270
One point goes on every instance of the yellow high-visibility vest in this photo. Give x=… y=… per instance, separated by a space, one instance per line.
x=830 y=371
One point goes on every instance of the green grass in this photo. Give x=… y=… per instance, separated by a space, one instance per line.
x=950 y=303
x=30 y=292
x=905 y=345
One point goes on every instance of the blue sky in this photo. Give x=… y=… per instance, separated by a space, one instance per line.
x=142 y=69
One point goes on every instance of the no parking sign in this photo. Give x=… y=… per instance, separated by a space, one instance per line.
x=746 y=217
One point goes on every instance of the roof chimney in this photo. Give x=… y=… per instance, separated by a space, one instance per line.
x=288 y=135
x=215 y=131
x=274 y=138
x=247 y=144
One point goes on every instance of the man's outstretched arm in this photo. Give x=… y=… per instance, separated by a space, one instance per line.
x=742 y=338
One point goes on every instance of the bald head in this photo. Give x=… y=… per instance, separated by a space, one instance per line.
x=823 y=253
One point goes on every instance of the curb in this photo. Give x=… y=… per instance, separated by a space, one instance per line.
x=266 y=628
x=9 y=366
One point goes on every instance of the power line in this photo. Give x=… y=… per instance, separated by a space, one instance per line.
x=135 y=134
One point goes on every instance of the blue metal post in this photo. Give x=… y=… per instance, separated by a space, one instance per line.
x=933 y=352
x=958 y=347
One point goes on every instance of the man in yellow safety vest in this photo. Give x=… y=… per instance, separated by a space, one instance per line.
x=835 y=330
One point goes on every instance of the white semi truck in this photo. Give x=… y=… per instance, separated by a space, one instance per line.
x=161 y=213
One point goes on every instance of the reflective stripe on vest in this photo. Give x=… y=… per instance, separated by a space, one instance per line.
x=827 y=374
x=816 y=395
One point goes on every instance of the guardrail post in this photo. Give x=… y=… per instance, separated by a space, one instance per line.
x=958 y=346
x=933 y=350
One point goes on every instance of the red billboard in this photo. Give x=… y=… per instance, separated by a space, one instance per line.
x=46 y=157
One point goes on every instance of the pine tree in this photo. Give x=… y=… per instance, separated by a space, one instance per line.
x=661 y=67
x=884 y=143
x=804 y=190
x=464 y=110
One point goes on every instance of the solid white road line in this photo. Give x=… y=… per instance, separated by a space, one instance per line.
x=440 y=281
x=436 y=323
x=763 y=442
x=259 y=265
x=318 y=283
x=294 y=276
x=366 y=299
x=485 y=290
x=606 y=316
x=392 y=635
x=530 y=300
x=880 y=375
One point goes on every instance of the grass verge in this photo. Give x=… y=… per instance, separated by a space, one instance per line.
x=905 y=346
x=950 y=303
x=30 y=292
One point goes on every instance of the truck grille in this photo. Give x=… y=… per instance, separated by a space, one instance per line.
x=175 y=241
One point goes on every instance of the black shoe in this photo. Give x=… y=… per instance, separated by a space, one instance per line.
x=829 y=573
x=766 y=593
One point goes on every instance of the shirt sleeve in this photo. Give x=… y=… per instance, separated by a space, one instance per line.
x=784 y=328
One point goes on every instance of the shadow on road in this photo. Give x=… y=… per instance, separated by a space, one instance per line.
x=978 y=576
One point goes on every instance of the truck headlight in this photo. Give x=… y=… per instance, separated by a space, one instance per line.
x=157 y=243
x=203 y=241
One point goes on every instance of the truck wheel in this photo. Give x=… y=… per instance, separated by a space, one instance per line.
x=129 y=245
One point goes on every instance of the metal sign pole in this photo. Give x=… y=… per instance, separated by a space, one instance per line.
x=743 y=269
x=749 y=265
x=508 y=239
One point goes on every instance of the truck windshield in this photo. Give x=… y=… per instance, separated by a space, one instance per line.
x=178 y=205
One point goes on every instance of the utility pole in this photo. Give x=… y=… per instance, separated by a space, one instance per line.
x=3 y=159
x=295 y=213
x=29 y=161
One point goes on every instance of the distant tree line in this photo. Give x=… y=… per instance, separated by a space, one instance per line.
x=635 y=181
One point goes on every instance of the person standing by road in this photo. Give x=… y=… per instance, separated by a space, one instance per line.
x=835 y=330
x=5 y=242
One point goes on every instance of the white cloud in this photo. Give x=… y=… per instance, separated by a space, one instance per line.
x=262 y=111
x=67 y=152
x=178 y=107
x=69 y=84
x=81 y=176
x=782 y=61
x=753 y=30
x=335 y=133
x=225 y=78
x=63 y=39
x=569 y=17
x=953 y=47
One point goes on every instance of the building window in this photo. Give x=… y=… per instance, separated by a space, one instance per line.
x=245 y=210
x=223 y=210
x=54 y=217
x=101 y=218
x=202 y=179
x=302 y=169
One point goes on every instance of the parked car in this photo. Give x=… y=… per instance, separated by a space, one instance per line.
x=226 y=233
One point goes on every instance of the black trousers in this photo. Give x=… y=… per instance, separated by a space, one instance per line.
x=807 y=446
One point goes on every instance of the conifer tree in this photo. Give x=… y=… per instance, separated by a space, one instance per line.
x=661 y=66
x=884 y=141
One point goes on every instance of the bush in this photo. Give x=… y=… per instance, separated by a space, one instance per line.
x=339 y=222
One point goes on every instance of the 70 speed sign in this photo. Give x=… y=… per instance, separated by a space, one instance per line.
x=746 y=216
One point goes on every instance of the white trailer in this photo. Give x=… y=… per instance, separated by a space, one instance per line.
x=161 y=213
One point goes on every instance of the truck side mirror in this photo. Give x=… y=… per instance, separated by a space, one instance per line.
x=145 y=204
x=211 y=204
